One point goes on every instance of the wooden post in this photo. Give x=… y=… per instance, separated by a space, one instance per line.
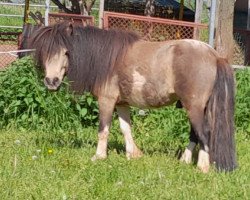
x=198 y=13
x=224 y=41
x=101 y=10
x=181 y=10
x=248 y=16
x=26 y=12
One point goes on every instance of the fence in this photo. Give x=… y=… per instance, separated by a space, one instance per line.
x=154 y=29
x=242 y=47
x=8 y=42
x=78 y=19
x=11 y=25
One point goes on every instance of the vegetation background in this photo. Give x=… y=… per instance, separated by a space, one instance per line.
x=48 y=138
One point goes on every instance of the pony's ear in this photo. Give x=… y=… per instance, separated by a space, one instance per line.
x=69 y=29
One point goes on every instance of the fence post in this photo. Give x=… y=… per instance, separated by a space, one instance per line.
x=47 y=2
x=101 y=10
x=26 y=12
x=212 y=23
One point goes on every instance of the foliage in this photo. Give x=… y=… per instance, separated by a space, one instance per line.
x=242 y=111
x=26 y=103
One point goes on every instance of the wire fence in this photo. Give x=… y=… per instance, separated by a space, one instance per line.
x=154 y=29
x=8 y=42
x=11 y=26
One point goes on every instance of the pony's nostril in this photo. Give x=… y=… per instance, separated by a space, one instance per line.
x=55 y=80
x=47 y=80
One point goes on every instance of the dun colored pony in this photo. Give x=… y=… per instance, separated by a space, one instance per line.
x=122 y=70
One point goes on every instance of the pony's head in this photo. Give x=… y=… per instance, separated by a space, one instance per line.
x=52 y=45
x=55 y=68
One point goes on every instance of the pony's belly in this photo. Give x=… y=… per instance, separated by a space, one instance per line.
x=150 y=94
x=151 y=100
x=146 y=92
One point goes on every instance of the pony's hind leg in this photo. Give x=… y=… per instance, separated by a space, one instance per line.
x=196 y=116
x=132 y=151
x=106 y=108
x=187 y=155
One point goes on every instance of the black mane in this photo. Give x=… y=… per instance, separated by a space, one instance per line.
x=93 y=52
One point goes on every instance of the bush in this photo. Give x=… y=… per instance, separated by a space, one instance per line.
x=242 y=111
x=26 y=103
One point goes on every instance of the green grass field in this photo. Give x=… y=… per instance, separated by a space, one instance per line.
x=47 y=140
x=34 y=166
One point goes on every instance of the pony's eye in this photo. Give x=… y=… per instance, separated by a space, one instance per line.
x=67 y=53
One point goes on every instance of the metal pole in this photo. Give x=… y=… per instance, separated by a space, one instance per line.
x=47 y=2
x=212 y=23
x=101 y=10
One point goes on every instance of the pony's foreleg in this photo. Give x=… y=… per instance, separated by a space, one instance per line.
x=106 y=108
x=132 y=151
x=187 y=155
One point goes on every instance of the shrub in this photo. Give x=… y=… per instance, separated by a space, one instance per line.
x=242 y=111
x=26 y=103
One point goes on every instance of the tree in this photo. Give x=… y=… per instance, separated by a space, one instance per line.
x=78 y=6
x=224 y=41
x=149 y=8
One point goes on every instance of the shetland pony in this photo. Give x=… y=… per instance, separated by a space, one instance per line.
x=122 y=70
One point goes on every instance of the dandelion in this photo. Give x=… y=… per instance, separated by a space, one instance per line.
x=64 y=197
x=34 y=157
x=17 y=142
x=119 y=183
x=50 y=151
x=142 y=113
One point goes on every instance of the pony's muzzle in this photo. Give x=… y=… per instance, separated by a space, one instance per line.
x=52 y=83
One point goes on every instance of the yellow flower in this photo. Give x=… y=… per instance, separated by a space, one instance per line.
x=50 y=151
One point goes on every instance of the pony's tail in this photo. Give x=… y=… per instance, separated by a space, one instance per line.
x=219 y=117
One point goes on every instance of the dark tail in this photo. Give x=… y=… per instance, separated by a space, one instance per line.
x=220 y=119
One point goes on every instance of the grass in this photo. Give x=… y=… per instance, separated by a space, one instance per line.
x=35 y=166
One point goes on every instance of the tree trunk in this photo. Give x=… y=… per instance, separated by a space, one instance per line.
x=224 y=42
x=198 y=15
x=149 y=8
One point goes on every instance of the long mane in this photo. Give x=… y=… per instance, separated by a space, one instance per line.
x=94 y=53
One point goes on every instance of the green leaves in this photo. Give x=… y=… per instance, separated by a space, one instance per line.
x=26 y=103
x=242 y=111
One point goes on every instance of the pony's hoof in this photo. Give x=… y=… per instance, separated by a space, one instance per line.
x=203 y=161
x=98 y=157
x=136 y=154
x=204 y=169
x=186 y=156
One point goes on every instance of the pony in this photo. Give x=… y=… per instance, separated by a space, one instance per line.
x=122 y=70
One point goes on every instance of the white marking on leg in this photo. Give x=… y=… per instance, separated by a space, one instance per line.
x=187 y=155
x=101 y=151
x=203 y=160
x=132 y=151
